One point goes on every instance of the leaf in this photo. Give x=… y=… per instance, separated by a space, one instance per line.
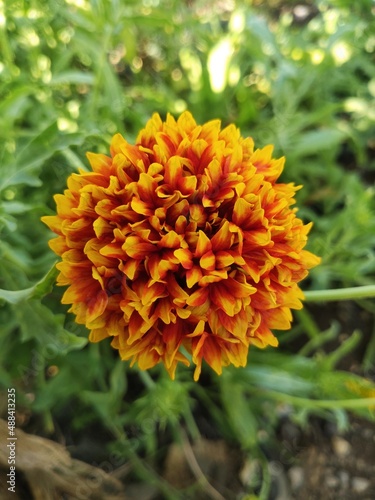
x=38 y=290
x=31 y=158
x=118 y=381
x=238 y=409
x=279 y=380
x=45 y=285
x=258 y=26
x=12 y=105
x=16 y=207
x=52 y=473
x=73 y=77
x=317 y=140
x=14 y=297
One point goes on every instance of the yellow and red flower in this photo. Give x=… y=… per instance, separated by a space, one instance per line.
x=182 y=245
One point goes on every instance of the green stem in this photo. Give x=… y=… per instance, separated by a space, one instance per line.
x=308 y=324
x=143 y=469
x=266 y=480
x=316 y=342
x=348 y=404
x=146 y=379
x=353 y=293
x=191 y=424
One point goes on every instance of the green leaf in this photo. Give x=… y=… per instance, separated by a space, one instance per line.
x=15 y=207
x=14 y=297
x=73 y=77
x=317 y=140
x=31 y=158
x=276 y=379
x=118 y=380
x=238 y=408
x=38 y=290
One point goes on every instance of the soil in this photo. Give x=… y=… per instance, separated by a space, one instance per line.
x=333 y=466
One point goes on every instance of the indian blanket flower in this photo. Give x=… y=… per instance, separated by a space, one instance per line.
x=181 y=246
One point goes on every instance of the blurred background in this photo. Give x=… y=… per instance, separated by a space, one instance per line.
x=296 y=74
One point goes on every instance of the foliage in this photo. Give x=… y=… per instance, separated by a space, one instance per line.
x=75 y=72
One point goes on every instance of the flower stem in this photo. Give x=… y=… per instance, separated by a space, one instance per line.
x=353 y=293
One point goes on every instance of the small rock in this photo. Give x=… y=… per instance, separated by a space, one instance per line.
x=368 y=434
x=360 y=484
x=250 y=472
x=279 y=481
x=296 y=477
x=344 y=479
x=332 y=481
x=341 y=446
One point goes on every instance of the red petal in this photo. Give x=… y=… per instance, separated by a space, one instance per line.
x=96 y=306
x=185 y=257
x=207 y=261
x=193 y=275
x=222 y=240
x=203 y=244
x=198 y=298
x=221 y=297
x=100 y=163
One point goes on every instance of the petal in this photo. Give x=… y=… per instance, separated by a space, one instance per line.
x=207 y=348
x=116 y=143
x=170 y=240
x=102 y=227
x=241 y=212
x=100 y=163
x=221 y=297
x=96 y=306
x=150 y=293
x=177 y=293
x=207 y=261
x=258 y=237
x=64 y=204
x=141 y=207
x=53 y=222
x=203 y=244
x=193 y=276
x=137 y=327
x=136 y=248
x=198 y=297
x=222 y=240
x=130 y=268
x=172 y=337
x=173 y=171
x=223 y=259
x=186 y=122
x=58 y=245
x=309 y=259
x=98 y=334
x=185 y=257
x=146 y=187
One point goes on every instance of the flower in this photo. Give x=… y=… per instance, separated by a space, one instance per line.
x=182 y=245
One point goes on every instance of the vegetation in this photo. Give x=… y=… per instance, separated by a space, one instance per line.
x=299 y=75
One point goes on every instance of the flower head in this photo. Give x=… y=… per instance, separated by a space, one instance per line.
x=183 y=244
